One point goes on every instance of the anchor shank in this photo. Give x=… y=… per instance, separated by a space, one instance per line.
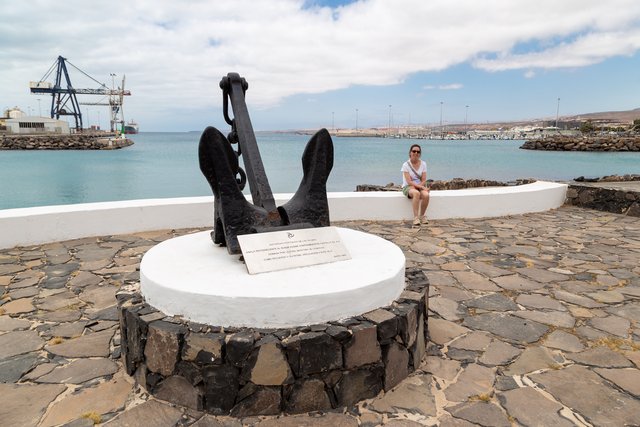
x=258 y=183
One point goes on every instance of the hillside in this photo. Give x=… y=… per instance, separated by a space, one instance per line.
x=613 y=116
x=625 y=117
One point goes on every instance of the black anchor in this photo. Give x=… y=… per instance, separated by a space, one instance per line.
x=233 y=214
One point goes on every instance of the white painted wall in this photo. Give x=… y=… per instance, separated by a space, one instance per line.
x=29 y=226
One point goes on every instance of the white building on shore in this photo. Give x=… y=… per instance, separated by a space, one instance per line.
x=36 y=125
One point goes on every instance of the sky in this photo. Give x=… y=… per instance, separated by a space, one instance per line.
x=334 y=64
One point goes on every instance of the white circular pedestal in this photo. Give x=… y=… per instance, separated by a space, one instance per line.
x=192 y=277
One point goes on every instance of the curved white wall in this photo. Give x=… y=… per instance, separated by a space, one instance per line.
x=28 y=226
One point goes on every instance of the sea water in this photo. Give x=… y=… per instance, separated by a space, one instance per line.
x=161 y=165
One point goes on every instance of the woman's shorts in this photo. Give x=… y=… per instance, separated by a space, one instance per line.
x=405 y=190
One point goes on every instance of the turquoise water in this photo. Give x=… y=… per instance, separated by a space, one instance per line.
x=162 y=165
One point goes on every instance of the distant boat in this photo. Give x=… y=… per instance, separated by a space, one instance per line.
x=131 y=127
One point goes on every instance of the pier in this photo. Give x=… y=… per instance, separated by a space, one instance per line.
x=83 y=141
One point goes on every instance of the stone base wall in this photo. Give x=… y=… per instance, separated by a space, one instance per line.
x=604 y=199
x=62 y=142
x=594 y=143
x=453 y=184
x=248 y=371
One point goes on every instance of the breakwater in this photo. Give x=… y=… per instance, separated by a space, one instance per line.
x=591 y=143
x=63 y=142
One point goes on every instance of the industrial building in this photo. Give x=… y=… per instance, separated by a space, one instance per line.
x=36 y=125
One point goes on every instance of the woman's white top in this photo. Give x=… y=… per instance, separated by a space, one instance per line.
x=407 y=167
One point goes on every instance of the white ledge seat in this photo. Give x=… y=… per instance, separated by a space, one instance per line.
x=31 y=226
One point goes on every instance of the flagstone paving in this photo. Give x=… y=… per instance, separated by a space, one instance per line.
x=534 y=320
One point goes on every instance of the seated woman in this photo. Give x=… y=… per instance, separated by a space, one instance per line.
x=414 y=184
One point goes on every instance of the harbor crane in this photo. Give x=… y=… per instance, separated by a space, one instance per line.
x=64 y=101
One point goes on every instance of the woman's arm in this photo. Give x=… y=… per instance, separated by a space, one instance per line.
x=407 y=177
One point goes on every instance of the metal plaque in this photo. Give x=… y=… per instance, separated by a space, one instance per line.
x=283 y=250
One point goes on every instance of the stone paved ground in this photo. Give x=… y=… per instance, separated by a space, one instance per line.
x=535 y=321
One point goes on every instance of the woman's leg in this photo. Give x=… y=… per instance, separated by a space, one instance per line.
x=424 y=202
x=414 y=195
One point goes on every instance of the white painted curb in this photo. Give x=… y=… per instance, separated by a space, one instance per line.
x=30 y=226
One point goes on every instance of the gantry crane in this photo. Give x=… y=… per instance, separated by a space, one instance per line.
x=64 y=101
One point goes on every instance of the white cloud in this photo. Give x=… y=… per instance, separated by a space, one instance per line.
x=174 y=53
x=585 y=50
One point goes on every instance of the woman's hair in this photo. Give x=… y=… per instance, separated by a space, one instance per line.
x=411 y=148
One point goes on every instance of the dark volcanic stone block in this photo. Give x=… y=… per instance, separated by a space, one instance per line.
x=359 y=384
x=122 y=320
x=163 y=346
x=313 y=352
x=386 y=321
x=152 y=379
x=178 y=390
x=363 y=347
x=136 y=337
x=306 y=396
x=263 y=401
x=204 y=348
x=634 y=209
x=396 y=364
x=267 y=365
x=220 y=388
x=146 y=309
x=141 y=374
x=407 y=323
x=418 y=348
x=191 y=371
x=239 y=346
x=339 y=333
x=411 y=297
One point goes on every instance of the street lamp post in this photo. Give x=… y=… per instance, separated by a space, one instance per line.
x=389 y=121
x=356 y=120
x=557 y=113
x=466 y=115
x=441 y=128
x=39 y=108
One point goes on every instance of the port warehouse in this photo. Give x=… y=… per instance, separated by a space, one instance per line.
x=34 y=125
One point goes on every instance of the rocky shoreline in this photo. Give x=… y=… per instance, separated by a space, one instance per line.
x=610 y=178
x=63 y=142
x=592 y=143
x=453 y=184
